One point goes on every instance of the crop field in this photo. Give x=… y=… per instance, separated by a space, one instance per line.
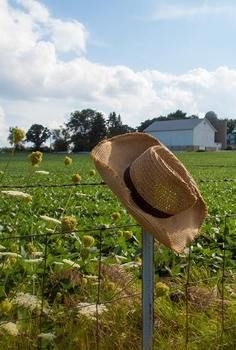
x=70 y=261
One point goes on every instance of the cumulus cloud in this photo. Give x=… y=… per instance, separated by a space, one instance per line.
x=37 y=11
x=199 y=89
x=36 y=85
x=65 y=35
x=68 y=36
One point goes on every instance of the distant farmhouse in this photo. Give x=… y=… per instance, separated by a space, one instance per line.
x=190 y=134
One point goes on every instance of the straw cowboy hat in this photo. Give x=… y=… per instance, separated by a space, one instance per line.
x=153 y=185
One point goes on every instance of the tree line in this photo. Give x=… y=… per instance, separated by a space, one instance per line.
x=87 y=127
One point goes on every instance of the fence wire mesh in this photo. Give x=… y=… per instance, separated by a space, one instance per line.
x=204 y=297
x=182 y=301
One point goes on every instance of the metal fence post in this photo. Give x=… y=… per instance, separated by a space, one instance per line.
x=147 y=289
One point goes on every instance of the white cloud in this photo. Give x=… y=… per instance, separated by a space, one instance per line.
x=199 y=89
x=37 y=11
x=68 y=36
x=36 y=85
x=15 y=24
x=180 y=9
x=65 y=35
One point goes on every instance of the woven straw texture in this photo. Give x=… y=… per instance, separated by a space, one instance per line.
x=176 y=192
x=153 y=174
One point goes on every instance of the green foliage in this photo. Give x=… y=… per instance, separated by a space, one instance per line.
x=79 y=126
x=12 y=138
x=71 y=268
x=88 y=127
x=61 y=139
x=177 y=115
x=98 y=130
x=37 y=134
x=115 y=125
x=11 y=134
x=231 y=125
x=171 y=116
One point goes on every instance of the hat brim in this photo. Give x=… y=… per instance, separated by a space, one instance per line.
x=112 y=157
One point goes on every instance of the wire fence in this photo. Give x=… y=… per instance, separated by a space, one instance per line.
x=45 y=185
x=183 y=335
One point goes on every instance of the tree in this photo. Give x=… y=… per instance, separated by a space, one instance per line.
x=37 y=134
x=115 y=125
x=193 y=116
x=126 y=129
x=15 y=137
x=146 y=123
x=10 y=136
x=88 y=127
x=79 y=126
x=82 y=126
x=171 y=116
x=61 y=139
x=177 y=115
x=231 y=125
x=98 y=130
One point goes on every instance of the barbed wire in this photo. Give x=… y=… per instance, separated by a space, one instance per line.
x=210 y=166
x=228 y=215
x=55 y=185
x=216 y=180
x=55 y=233
x=97 y=228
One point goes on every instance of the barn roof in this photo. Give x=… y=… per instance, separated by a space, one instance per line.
x=170 y=125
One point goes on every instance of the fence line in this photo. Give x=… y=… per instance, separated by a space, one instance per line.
x=41 y=185
x=101 y=229
x=215 y=181
x=211 y=166
x=54 y=185
x=97 y=228
x=188 y=340
x=62 y=233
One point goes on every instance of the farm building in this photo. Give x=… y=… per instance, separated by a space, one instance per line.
x=220 y=126
x=185 y=134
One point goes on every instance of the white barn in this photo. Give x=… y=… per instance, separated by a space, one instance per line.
x=190 y=134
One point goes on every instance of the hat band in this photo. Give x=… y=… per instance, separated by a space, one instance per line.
x=140 y=201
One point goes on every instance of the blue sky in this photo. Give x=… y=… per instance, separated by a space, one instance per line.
x=138 y=58
x=152 y=34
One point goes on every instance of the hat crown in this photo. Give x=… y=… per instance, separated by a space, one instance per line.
x=161 y=180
